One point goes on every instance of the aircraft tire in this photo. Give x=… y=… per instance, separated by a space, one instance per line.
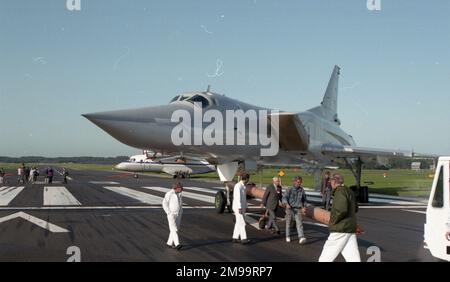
x=220 y=202
x=364 y=194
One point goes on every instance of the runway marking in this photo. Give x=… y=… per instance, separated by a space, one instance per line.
x=68 y=177
x=54 y=208
x=7 y=194
x=393 y=202
x=379 y=198
x=251 y=221
x=137 y=195
x=375 y=195
x=315 y=223
x=104 y=182
x=392 y=207
x=39 y=222
x=43 y=182
x=59 y=196
x=189 y=195
x=206 y=190
x=421 y=212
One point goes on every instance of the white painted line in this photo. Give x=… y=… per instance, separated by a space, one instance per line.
x=189 y=195
x=392 y=207
x=60 y=173
x=219 y=188
x=7 y=194
x=379 y=198
x=104 y=182
x=313 y=194
x=138 y=195
x=206 y=190
x=313 y=200
x=398 y=198
x=43 y=182
x=252 y=222
x=99 y=208
x=59 y=196
x=255 y=223
x=315 y=223
x=421 y=212
x=374 y=198
x=39 y=222
x=393 y=202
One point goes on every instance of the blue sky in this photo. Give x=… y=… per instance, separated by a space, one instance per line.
x=56 y=64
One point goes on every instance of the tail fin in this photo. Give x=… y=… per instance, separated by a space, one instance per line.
x=329 y=101
x=328 y=108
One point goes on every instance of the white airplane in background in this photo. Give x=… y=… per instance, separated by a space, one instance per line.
x=176 y=166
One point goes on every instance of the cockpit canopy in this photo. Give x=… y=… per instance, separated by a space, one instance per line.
x=180 y=97
x=193 y=98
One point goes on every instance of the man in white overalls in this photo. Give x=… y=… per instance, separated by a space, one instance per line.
x=239 y=207
x=173 y=206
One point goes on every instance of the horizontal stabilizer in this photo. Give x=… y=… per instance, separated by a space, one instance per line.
x=341 y=151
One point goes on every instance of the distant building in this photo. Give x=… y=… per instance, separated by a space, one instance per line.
x=415 y=166
x=432 y=166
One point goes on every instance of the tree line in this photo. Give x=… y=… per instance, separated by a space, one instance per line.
x=81 y=160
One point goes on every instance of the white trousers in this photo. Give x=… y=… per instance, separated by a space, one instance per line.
x=239 y=226
x=337 y=243
x=174 y=225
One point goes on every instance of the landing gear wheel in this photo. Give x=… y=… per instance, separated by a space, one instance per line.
x=364 y=194
x=220 y=202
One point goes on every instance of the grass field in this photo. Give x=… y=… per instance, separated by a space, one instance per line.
x=399 y=182
x=71 y=166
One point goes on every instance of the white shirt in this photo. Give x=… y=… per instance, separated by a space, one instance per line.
x=239 y=196
x=173 y=202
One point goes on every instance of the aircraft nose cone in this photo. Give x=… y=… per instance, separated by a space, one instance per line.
x=139 y=128
x=90 y=117
x=106 y=121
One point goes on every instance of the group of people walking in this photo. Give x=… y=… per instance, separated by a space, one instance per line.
x=342 y=223
x=27 y=174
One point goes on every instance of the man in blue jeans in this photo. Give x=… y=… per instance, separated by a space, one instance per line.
x=295 y=201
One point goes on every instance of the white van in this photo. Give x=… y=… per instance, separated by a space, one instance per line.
x=437 y=225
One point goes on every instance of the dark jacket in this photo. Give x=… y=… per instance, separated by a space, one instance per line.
x=295 y=197
x=343 y=211
x=270 y=198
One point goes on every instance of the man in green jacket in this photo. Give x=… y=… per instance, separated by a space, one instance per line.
x=342 y=224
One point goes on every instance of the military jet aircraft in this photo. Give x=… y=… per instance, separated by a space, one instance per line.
x=312 y=138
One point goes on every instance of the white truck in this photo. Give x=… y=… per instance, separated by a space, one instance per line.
x=437 y=225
